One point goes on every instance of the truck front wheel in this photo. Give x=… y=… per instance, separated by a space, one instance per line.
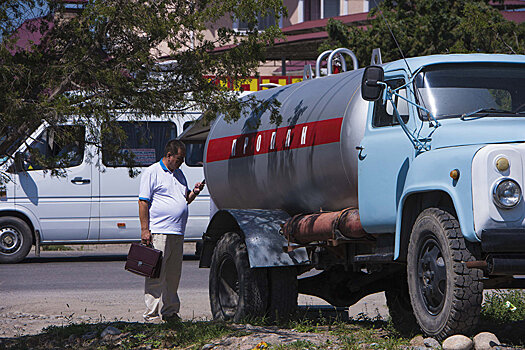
x=237 y=292
x=15 y=239
x=445 y=295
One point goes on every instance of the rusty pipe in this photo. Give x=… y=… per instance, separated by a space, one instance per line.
x=308 y=228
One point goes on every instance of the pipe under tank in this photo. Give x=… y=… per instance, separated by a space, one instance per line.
x=304 y=229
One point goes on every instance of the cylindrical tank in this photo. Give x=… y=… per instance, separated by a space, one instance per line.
x=306 y=164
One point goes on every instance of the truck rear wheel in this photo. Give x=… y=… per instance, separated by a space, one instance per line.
x=445 y=295
x=237 y=292
x=15 y=239
x=399 y=306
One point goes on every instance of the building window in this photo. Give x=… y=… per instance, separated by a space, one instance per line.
x=331 y=8
x=263 y=22
x=312 y=10
x=318 y=9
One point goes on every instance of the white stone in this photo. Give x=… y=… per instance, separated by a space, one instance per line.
x=485 y=341
x=431 y=343
x=457 y=342
x=110 y=330
x=417 y=341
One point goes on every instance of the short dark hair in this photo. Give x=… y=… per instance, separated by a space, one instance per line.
x=173 y=147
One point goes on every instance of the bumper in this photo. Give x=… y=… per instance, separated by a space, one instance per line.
x=506 y=251
x=503 y=241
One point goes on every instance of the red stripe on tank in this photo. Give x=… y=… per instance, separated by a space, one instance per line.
x=275 y=140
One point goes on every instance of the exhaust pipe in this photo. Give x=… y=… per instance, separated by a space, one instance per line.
x=304 y=229
x=506 y=266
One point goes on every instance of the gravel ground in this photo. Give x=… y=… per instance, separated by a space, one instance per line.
x=27 y=312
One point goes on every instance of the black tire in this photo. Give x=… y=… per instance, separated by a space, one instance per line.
x=399 y=306
x=198 y=248
x=15 y=239
x=445 y=295
x=283 y=293
x=237 y=292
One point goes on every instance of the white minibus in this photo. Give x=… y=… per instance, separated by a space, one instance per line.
x=95 y=200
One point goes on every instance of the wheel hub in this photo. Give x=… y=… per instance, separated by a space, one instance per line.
x=432 y=276
x=10 y=240
x=228 y=288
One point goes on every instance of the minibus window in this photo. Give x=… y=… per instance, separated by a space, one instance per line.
x=54 y=148
x=141 y=145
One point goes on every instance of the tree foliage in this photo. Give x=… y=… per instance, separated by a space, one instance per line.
x=104 y=60
x=426 y=27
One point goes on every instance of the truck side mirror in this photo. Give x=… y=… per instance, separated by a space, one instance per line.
x=370 y=89
x=19 y=162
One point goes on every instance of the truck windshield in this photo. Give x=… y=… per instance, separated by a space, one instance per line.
x=455 y=90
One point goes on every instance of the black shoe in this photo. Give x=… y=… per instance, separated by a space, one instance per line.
x=172 y=319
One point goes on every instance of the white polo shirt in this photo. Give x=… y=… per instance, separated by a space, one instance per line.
x=166 y=193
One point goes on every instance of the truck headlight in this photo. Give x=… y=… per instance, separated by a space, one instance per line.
x=507 y=193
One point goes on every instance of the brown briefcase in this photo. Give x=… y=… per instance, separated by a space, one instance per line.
x=143 y=260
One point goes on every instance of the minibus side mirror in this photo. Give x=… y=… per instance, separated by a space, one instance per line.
x=18 y=164
x=370 y=89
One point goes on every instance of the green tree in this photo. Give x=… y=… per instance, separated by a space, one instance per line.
x=426 y=27
x=104 y=59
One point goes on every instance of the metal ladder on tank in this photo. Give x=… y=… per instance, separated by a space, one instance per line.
x=337 y=54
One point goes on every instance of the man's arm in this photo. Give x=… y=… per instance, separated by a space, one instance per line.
x=145 y=233
x=191 y=195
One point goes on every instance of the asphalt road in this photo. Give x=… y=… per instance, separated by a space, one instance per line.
x=89 y=286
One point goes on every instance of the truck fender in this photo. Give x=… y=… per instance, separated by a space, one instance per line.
x=261 y=232
x=429 y=173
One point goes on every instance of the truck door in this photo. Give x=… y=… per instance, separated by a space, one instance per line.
x=384 y=161
x=61 y=203
x=119 y=210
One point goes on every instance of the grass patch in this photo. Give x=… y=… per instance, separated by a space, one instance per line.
x=504 y=306
x=503 y=313
x=187 y=334
x=361 y=332
x=56 y=247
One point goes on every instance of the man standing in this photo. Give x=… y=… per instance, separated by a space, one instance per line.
x=163 y=211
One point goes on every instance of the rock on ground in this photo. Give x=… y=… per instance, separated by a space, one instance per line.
x=457 y=342
x=269 y=335
x=431 y=343
x=486 y=341
x=417 y=341
x=110 y=330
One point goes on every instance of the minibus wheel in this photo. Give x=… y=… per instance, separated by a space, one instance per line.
x=15 y=239
x=445 y=295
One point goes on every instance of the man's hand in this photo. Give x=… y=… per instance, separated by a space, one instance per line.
x=145 y=236
x=199 y=186
x=145 y=232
